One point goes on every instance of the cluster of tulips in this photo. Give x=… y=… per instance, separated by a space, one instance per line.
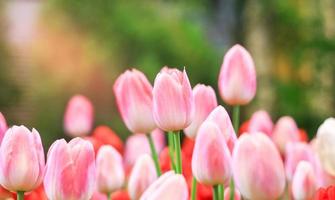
x=217 y=159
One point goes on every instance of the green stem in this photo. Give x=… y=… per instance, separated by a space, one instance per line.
x=236 y=117
x=20 y=195
x=171 y=150
x=194 y=188
x=178 y=152
x=154 y=154
x=232 y=190
x=216 y=192
x=221 y=191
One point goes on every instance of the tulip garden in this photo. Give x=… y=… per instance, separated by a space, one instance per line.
x=184 y=146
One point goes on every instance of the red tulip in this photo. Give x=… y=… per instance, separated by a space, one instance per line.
x=205 y=102
x=21 y=159
x=78 y=119
x=133 y=93
x=173 y=100
x=105 y=135
x=70 y=170
x=237 y=80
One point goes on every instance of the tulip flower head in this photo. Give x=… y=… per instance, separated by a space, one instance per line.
x=109 y=169
x=211 y=160
x=168 y=186
x=173 y=100
x=226 y=195
x=237 y=79
x=285 y=131
x=142 y=175
x=205 y=102
x=21 y=159
x=133 y=93
x=258 y=168
x=221 y=118
x=304 y=181
x=78 y=118
x=3 y=126
x=261 y=121
x=70 y=170
x=325 y=145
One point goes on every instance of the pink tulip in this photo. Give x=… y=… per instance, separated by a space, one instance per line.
x=205 y=102
x=78 y=117
x=137 y=145
x=261 y=121
x=285 y=131
x=258 y=168
x=326 y=145
x=70 y=170
x=173 y=100
x=221 y=118
x=296 y=152
x=133 y=93
x=304 y=181
x=167 y=187
x=109 y=169
x=211 y=160
x=21 y=159
x=237 y=195
x=237 y=80
x=3 y=126
x=142 y=175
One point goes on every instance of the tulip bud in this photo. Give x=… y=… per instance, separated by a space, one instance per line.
x=167 y=187
x=133 y=93
x=326 y=145
x=261 y=121
x=304 y=181
x=296 y=152
x=211 y=160
x=137 y=145
x=78 y=117
x=205 y=102
x=142 y=175
x=21 y=159
x=173 y=100
x=237 y=80
x=110 y=172
x=285 y=131
x=237 y=195
x=221 y=118
x=258 y=168
x=3 y=126
x=70 y=170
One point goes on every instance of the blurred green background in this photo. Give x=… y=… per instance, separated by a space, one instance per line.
x=53 y=49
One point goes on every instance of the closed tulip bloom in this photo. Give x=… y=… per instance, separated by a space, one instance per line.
x=109 y=169
x=258 y=168
x=133 y=93
x=325 y=145
x=137 y=145
x=285 y=131
x=3 y=126
x=237 y=195
x=261 y=121
x=167 y=187
x=211 y=160
x=221 y=118
x=296 y=152
x=304 y=181
x=21 y=159
x=78 y=119
x=70 y=170
x=142 y=175
x=237 y=79
x=205 y=102
x=173 y=100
